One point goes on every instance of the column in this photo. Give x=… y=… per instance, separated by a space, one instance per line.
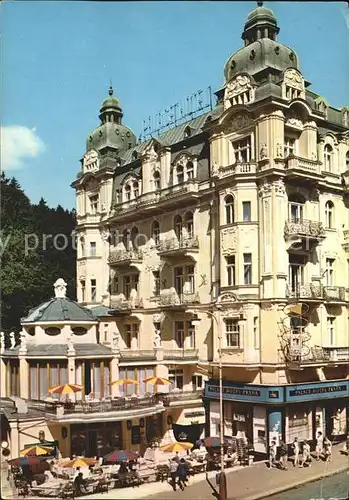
x=105 y=290
x=115 y=375
x=24 y=378
x=266 y=240
x=15 y=445
x=280 y=255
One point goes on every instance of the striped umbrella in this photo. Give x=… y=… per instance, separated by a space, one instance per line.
x=26 y=461
x=121 y=456
x=37 y=450
x=213 y=442
x=176 y=446
x=79 y=462
x=126 y=381
x=157 y=381
x=65 y=389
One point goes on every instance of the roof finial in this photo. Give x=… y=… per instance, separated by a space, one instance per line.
x=111 y=91
x=259 y=3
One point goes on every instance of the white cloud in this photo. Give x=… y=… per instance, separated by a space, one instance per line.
x=18 y=144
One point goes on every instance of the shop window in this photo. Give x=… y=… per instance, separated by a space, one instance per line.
x=232 y=333
x=298 y=424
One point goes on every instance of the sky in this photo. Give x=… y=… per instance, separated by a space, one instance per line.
x=57 y=60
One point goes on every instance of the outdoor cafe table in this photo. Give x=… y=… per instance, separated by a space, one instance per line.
x=48 y=489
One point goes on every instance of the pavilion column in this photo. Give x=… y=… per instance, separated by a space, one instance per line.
x=23 y=367
x=114 y=375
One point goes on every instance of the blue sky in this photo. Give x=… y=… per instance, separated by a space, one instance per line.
x=58 y=57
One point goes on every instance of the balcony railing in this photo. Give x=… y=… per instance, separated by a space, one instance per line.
x=337 y=353
x=237 y=168
x=181 y=354
x=318 y=355
x=180 y=396
x=316 y=291
x=175 y=299
x=303 y=228
x=303 y=164
x=137 y=355
x=126 y=305
x=124 y=256
x=187 y=187
x=174 y=244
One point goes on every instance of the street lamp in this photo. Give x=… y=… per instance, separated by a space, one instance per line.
x=222 y=476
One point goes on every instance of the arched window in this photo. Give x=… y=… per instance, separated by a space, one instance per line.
x=127 y=191
x=296 y=207
x=189 y=225
x=229 y=209
x=190 y=170
x=155 y=232
x=134 y=238
x=180 y=174
x=347 y=160
x=157 y=180
x=329 y=214
x=328 y=158
x=178 y=227
x=134 y=155
x=135 y=189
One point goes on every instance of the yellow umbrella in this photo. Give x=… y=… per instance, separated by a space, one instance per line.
x=65 y=389
x=157 y=381
x=126 y=381
x=80 y=462
x=176 y=446
x=37 y=450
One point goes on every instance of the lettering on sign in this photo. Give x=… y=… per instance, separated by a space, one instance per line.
x=237 y=391
x=274 y=394
x=193 y=414
x=318 y=390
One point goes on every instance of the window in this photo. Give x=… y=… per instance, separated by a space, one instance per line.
x=131 y=335
x=190 y=278
x=93 y=290
x=156 y=275
x=247 y=268
x=127 y=192
x=179 y=334
x=289 y=146
x=157 y=180
x=246 y=211
x=126 y=239
x=179 y=281
x=128 y=336
x=106 y=332
x=329 y=214
x=229 y=209
x=329 y=272
x=178 y=227
x=116 y=285
x=176 y=377
x=196 y=381
x=331 y=330
x=92 y=249
x=242 y=150
x=189 y=225
x=190 y=170
x=230 y=270
x=180 y=174
x=94 y=204
x=190 y=335
x=127 y=286
x=295 y=208
x=328 y=158
x=134 y=238
x=155 y=232
x=232 y=332
x=135 y=189
x=83 y=290
x=296 y=272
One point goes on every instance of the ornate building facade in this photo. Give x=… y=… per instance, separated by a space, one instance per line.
x=232 y=226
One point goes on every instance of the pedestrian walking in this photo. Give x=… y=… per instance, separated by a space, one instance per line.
x=306 y=457
x=319 y=445
x=295 y=446
x=182 y=473
x=272 y=454
x=173 y=472
x=328 y=450
x=283 y=455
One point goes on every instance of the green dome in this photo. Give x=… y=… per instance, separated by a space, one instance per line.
x=110 y=102
x=261 y=12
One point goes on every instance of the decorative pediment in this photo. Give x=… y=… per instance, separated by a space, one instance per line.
x=150 y=152
x=130 y=177
x=293 y=85
x=90 y=161
x=182 y=158
x=92 y=185
x=321 y=104
x=239 y=122
x=239 y=90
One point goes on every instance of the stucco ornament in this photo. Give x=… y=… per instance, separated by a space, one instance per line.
x=157 y=339
x=279 y=186
x=314 y=195
x=294 y=79
x=12 y=340
x=23 y=342
x=240 y=83
x=150 y=153
x=263 y=153
x=70 y=346
x=158 y=318
x=60 y=287
x=294 y=122
x=265 y=189
x=240 y=121
x=116 y=341
x=92 y=186
x=279 y=150
x=215 y=168
x=105 y=233
x=228 y=297
x=228 y=240
x=90 y=161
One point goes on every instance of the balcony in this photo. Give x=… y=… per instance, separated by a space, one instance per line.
x=181 y=354
x=334 y=293
x=143 y=355
x=303 y=231
x=177 y=192
x=316 y=355
x=178 y=301
x=345 y=243
x=181 y=398
x=124 y=258
x=296 y=166
x=310 y=291
x=244 y=169
x=131 y=210
x=174 y=247
x=125 y=306
x=337 y=354
x=112 y=410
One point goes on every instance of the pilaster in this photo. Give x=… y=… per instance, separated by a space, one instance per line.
x=114 y=375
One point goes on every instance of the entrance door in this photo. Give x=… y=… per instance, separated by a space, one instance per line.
x=260 y=429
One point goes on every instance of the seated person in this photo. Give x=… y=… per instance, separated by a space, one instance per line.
x=79 y=484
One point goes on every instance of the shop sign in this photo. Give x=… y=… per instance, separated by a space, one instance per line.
x=251 y=393
x=239 y=417
x=194 y=414
x=317 y=391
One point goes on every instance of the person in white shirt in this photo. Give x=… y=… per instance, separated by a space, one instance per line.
x=319 y=445
x=295 y=446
